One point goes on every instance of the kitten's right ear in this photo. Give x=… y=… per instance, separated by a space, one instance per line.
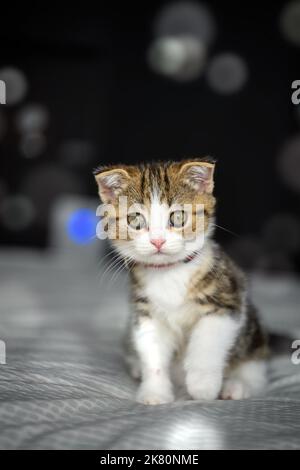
x=111 y=182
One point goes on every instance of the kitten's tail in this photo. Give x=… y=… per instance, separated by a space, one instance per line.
x=280 y=344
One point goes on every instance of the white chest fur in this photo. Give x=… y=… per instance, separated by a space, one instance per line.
x=166 y=288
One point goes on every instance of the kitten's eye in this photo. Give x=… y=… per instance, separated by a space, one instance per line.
x=136 y=221
x=178 y=219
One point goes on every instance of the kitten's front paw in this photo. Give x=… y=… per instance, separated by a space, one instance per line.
x=204 y=386
x=150 y=394
x=235 y=389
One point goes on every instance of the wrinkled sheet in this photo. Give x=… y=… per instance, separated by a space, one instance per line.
x=64 y=385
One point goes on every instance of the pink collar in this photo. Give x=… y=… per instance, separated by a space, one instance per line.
x=168 y=265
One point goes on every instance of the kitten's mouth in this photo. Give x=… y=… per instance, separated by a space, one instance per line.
x=159 y=254
x=169 y=265
x=160 y=257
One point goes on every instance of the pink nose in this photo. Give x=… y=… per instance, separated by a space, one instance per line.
x=157 y=242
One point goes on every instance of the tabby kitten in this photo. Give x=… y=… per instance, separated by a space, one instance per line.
x=191 y=312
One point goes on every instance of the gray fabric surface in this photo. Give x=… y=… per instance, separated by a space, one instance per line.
x=65 y=386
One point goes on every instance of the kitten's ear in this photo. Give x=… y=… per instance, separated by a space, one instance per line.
x=111 y=182
x=199 y=175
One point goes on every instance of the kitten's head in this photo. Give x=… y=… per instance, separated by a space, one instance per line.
x=169 y=208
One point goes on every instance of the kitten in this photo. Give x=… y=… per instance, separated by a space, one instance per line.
x=191 y=312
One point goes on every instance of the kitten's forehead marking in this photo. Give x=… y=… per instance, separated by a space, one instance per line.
x=155 y=180
x=155 y=195
x=157 y=213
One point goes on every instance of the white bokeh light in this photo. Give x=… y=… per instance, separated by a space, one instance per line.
x=289 y=22
x=16 y=84
x=32 y=144
x=32 y=118
x=17 y=212
x=47 y=182
x=185 y=18
x=181 y=58
x=227 y=73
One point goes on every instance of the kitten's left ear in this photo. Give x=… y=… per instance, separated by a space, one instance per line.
x=111 y=182
x=199 y=175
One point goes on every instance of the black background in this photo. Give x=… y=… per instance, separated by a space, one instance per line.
x=88 y=67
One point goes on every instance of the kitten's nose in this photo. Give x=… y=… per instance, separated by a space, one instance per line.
x=157 y=242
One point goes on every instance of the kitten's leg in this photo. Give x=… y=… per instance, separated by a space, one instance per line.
x=247 y=380
x=207 y=351
x=131 y=358
x=134 y=365
x=154 y=345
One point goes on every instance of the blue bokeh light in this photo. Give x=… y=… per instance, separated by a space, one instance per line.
x=81 y=226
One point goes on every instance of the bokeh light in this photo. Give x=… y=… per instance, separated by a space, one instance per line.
x=281 y=233
x=16 y=84
x=45 y=184
x=227 y=73
x=32 y=118
x=289 y=22
x=185 y=18
x=75 y=153
x=17 y=212
x=183 y=32
x=72 y=230
x=288 y=163
x=32 y=144
x=181 y=58
x=81 y=226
